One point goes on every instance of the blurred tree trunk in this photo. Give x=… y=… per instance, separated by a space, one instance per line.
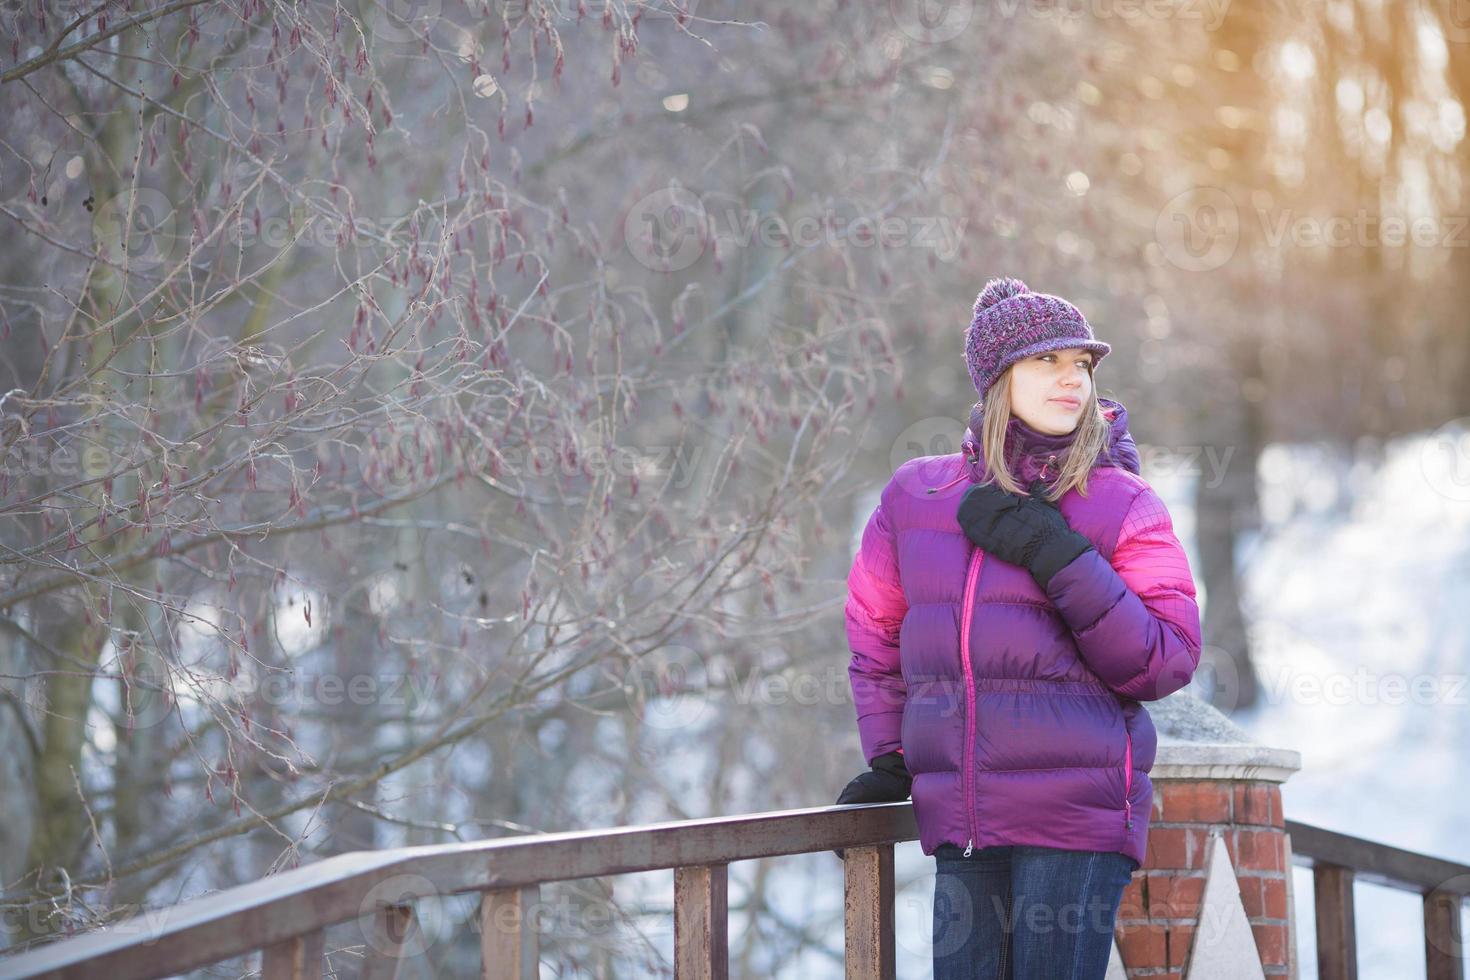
x=1449 y=354
x=1226 y=504
x=61 y=820
x=18 y=819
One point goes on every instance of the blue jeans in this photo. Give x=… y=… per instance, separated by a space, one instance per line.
x=1019 y=912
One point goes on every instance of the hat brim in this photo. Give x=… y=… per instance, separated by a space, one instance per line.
x=1097 y=347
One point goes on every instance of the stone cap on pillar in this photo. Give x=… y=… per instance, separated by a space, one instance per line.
x=1197 y=741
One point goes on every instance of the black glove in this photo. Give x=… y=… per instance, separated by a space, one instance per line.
x=1026 y=531
x=887 y=782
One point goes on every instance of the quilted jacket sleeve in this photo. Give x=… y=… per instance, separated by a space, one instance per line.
x=1135 y=620
x=875 y=609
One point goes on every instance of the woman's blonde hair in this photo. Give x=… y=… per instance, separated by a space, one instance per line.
x=1092 y=438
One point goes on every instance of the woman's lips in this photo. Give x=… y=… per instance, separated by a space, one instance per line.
x=1069 y=402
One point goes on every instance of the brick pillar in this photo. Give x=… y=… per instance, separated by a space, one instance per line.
x=1204 y=791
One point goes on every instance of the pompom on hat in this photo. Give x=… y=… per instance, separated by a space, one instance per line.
x=1012 y=323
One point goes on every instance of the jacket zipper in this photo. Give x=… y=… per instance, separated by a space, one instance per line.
x=1127 y=782
x=968 y=781
x=976 y=556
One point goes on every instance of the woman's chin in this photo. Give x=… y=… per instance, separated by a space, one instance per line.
x=1059 y=420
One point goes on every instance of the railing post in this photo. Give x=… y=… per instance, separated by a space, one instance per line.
x=387 y=946
x=1209 y=779
x=701 y=918
x=1337 y=943
x=297 y=958
x=508 y=944
x=868 y=912
x=1444 y=949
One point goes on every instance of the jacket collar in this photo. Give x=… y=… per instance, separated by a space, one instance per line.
x=1029 y=451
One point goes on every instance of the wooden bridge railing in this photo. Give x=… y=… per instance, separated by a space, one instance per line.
x=287 y=915
x=1337 y=859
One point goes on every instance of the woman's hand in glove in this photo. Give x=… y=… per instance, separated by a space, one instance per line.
x=1026 y=531
x=887 y=782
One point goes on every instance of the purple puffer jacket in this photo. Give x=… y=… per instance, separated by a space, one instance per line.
x=1016 y=710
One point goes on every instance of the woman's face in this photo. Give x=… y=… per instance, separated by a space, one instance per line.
x=1037 y=382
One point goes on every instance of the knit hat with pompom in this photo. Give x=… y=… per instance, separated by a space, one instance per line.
x=1012 y=323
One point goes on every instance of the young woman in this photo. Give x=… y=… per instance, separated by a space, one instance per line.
x=1009 y=608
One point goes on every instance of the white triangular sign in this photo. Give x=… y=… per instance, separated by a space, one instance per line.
x=1224 y=948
